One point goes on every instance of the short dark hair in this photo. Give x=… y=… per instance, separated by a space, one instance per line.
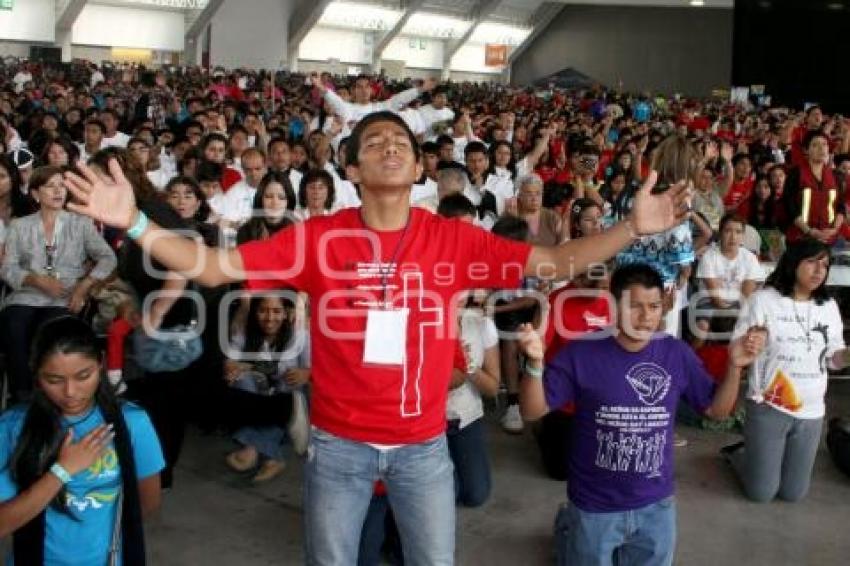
x=784 y=277
x=810 y=137
x=352 y=150
x=193 y=124
x=211 y=137
x=277 y=140
x=635 y=274
x=444 y=139
x=430 y=148
x=556 y=194
x=312 y=176
x=733 y=216
x=204 y=209
x=209 y=172
x=238 y=128
x=455 y=206
x=741 y=156
x=512 y=228
x=98 y=123
x=475 y=147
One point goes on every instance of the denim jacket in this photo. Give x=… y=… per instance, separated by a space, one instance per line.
x=76 y=240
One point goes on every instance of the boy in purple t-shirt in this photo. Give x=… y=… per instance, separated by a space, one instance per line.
x=626 y=386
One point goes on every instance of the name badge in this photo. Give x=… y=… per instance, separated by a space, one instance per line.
x=386 y=337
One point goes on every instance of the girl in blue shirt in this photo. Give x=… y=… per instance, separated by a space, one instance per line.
x=74 y=458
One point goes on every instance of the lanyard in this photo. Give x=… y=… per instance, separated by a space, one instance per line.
x=50 y=249
x=385 y=273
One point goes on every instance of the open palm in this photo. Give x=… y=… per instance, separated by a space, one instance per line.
x=652 y=214
x=109 y=201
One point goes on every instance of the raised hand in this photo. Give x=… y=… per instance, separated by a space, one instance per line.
x=530 y=343
x=652 y=214
x=710 y=151
x=726 y=152
x=109 y=201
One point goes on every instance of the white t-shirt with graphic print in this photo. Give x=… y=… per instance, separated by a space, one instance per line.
x=731 y=273
x=791 y=373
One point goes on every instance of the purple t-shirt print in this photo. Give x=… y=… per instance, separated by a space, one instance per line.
x=621 y=450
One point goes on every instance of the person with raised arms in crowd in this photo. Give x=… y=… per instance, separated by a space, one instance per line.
x=626 y=384
x=383 y=360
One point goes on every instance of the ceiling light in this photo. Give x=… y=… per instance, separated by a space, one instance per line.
x=697 y=3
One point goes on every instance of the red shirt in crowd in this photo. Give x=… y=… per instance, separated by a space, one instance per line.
x=572 y=316
x=576 y=315
x=230 y=177
x=738 y=197
x=115 y=335
x=425 y=265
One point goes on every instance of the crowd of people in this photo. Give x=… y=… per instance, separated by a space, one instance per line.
x=391 y=254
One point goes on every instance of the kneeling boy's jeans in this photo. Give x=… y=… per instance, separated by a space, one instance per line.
x=340 y=478
x=640 y=537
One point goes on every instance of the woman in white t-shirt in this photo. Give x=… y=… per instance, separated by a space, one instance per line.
x=728 y=274
x=273 y=357
x=787 y=382
x=465 y=411
x=504 y=165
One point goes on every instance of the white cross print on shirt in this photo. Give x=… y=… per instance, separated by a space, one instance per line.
x=411 y=396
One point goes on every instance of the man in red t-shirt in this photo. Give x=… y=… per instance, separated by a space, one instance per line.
x=737 y=198
x=795 y=133
x=382 y=282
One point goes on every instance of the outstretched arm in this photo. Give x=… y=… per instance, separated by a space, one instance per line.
x=113 y=203
x=650 y=214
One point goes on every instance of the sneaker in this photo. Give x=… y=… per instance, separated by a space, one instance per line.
x=299 y=424
x=679 y=441
x=512 y=420
x=269 y=469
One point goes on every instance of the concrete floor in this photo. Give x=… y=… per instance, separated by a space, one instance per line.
x=216 y=517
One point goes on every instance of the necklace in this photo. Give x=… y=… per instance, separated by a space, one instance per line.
x=806 y=330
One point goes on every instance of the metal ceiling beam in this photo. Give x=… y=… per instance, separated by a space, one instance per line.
x=304 y=18
x=482 y=11
x=539 y=21
x=383 y=42
x=202 y=21
x=69 y=13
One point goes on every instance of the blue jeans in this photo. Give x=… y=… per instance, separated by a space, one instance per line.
x=468 y=450
x=641 y=537
x=339 y=481
x=379 y=533
x=267 y=440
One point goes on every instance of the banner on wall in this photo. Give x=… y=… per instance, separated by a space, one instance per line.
x=495 y=55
